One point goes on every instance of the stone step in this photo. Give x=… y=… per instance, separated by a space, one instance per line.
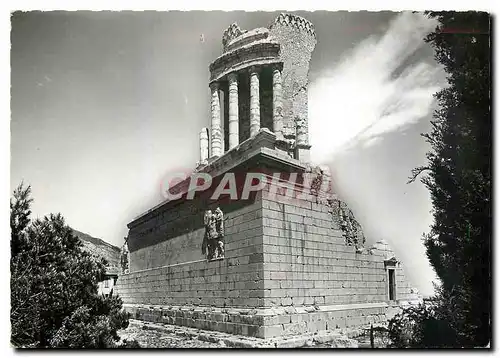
x=330 y=339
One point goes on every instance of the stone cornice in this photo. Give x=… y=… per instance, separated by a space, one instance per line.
x=255 y=54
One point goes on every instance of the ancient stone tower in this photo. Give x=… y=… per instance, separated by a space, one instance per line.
x=261 y=247
x=260 y=81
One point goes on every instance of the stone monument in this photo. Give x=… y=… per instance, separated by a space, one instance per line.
x=287 y=256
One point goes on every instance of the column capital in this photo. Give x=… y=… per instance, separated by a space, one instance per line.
x=214 y=86
x=232 y=77
x=254 y=69
x=276 y=66
x=204 y=133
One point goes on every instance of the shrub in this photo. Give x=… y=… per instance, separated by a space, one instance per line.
x=420 y=326
x=54 y=299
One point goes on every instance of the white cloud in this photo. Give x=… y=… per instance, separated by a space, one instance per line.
x=360 y=99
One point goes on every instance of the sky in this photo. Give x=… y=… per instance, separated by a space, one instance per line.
x=105 y=104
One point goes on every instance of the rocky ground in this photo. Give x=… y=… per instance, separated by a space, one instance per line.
x=165 y=336
x=148 y=338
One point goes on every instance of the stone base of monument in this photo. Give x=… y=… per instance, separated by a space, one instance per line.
x=325 y=339
x=294 y=257
x=266 y=322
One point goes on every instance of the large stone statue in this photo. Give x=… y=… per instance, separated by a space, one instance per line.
x=213 y=244
x=125 y=257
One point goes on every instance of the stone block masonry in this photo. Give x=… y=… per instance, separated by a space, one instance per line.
x=287 y=270
x=307 y=262
x=220 y=295
x=171 y=244
x=298 y=40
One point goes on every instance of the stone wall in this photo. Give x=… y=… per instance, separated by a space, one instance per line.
x=307 y=262
x=180 y=249
x=234 y=281
x=313 y=280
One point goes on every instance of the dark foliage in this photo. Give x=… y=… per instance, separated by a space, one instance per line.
x=458 y=176
x=422 y=326
x=54 y=299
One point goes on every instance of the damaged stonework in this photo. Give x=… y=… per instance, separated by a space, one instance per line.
x=301 y=131
x=297 y=39
x=320 y=183
x=317 y=180
x=351 y=229
x=213 y=244
x=342 y=215
x=232 y=32
x=288 y=142
x=188 y=337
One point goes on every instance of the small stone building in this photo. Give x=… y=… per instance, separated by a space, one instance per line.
x=280 y=254
x=106 y=286
x=101 y=248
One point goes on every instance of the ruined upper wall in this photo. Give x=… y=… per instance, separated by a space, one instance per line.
x=297 y=39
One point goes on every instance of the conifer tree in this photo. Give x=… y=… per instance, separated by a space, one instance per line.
x=458 y=176
x=54 y=299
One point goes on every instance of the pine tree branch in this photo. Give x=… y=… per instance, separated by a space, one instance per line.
x=415 y=173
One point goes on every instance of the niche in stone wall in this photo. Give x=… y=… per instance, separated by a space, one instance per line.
x=390 y=267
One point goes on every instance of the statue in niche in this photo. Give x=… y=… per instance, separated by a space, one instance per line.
x=213 y=244
x=125 y=257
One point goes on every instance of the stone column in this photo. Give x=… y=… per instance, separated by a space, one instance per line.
x=302 y=147
x=254 y=102
x=216 y=131
x=203 y=145
x=277 y=104
x=233 y=111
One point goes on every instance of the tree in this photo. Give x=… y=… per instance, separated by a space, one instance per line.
x=54 y=299
x=458 y=176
